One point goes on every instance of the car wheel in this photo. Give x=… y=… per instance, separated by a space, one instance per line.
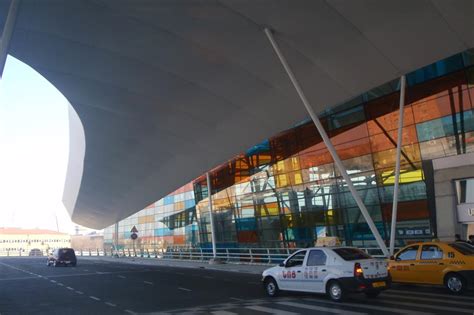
x=335 y=291
x=73 y=264
x=455 y=283
x=271 y=287
x=372 y=293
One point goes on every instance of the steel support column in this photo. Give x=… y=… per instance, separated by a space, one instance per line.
x=213 y=233
x=7 y=33
x=328 y=143
x=397 y=164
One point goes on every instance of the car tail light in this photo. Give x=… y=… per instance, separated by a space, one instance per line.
x=358 y=272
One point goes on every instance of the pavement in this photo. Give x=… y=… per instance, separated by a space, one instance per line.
x=231 y=267
x=109 y=285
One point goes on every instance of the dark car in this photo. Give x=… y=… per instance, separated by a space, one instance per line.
x=62 y=256
x=35 y=252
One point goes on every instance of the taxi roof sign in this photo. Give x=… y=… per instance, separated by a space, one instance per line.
x=134 y=229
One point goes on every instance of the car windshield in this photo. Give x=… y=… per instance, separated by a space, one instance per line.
x=352 y=253
x=463 y=248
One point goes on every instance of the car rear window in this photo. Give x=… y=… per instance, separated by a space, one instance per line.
x=351 y=253
x=463 y=248
x=67 y=252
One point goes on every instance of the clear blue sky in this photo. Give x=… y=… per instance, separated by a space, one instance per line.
x=34 y=138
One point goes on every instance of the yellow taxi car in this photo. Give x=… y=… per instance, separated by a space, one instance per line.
x=437 y=263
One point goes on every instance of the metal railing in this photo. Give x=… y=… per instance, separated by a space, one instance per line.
x=261 y=256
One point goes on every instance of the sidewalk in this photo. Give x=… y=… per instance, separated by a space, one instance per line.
x=229 y=267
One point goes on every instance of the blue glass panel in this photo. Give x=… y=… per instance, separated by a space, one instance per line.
x=361 y=231
x=435 y=70
x=443 y=127
x=163 y=232
x=189 y=203
x=190 y=228
x=246 y=224
x=261 y=147
x=169 y=200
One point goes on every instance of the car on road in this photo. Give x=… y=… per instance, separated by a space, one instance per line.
x=435 y=263
x=62 y=256
x=35 y=252
x=335 y=271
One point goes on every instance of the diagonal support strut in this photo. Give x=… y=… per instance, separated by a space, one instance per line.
x=328 y=143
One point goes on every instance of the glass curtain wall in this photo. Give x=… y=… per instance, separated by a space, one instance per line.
x=286 y=191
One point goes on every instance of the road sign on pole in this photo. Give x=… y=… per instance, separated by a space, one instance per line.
x=134 y=229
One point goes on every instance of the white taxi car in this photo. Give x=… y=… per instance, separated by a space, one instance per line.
x=335 y=271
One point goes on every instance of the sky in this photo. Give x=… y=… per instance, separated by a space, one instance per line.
x=34 y=142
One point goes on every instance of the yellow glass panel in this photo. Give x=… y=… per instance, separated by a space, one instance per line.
x=298 y=179
x=405 y=177
x=179 y=205
x=282 y=181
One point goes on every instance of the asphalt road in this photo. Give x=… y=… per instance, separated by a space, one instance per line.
x=28 y=286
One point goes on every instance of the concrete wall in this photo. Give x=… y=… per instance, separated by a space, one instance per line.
x=445 y=171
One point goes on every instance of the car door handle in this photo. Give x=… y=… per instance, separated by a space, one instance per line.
x=442 y=264
x=412 y=264
x=299 y=271
x=323 y=270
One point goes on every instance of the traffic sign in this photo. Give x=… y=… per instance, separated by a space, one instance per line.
x=134 y=236
x=134 y=229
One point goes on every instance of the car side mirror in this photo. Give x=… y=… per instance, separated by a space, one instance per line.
x=392 y=257
x=282 y=264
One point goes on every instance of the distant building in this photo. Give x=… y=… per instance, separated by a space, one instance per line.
x=25 y=242
x=87 y=242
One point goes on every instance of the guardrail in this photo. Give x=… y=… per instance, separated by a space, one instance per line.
x=263 y=256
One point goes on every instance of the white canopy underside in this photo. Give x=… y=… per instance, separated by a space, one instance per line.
x=168 y=89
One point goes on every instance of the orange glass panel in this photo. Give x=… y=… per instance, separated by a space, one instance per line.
x=432 y=108
x=247 y=237
x=146 y=219
x=354 y=148
x=179 y=205
x=178 y=239
x=350 y=135
x=408 y=210
x=386 y=159
x=390 y=121
x=381 y=142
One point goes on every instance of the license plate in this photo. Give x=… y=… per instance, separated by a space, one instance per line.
x=378 y=284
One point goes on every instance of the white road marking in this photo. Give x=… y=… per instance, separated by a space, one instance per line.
x=184 y=289
x=60 y=284
x=236 y=299
x=374 y=307
x=416 y=298
x=209 y=277
x=428 y=306
x=53 y=281
x=320 y=308
x=94 y=298
x=269 y=310
x=223 y=313
x=69 y=288
x=79 y=292
x=120 y=276
x=437 y=295
x=130 y=312
x=148 y=282
x=110 y=304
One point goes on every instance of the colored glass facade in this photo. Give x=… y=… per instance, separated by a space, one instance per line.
x=287 y=192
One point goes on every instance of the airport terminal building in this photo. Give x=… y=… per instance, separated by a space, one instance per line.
x=286 y=191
